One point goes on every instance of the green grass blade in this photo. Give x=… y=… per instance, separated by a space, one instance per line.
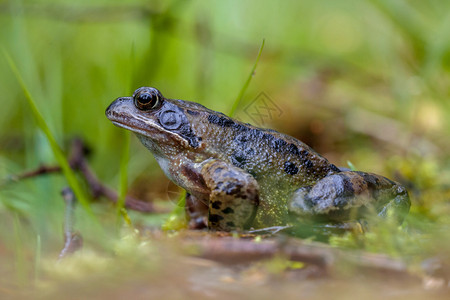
x=351 y=166
x=176 y=219
x=57 y=152
x=247 y=82
x=123 y=183
x=123 y=186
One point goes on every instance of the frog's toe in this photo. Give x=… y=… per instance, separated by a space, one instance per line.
x=398 y=207
x=301 y=203
x=198 y=223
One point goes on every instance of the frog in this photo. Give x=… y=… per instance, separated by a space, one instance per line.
x=239 y=177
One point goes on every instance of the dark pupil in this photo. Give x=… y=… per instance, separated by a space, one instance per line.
x=145 y=99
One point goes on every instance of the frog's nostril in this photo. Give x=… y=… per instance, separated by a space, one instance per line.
x=110 y=109
x=118 y=107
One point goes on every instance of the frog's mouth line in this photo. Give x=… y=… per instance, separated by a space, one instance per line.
x=128 y=123
x=145 y=133
x=131 y=128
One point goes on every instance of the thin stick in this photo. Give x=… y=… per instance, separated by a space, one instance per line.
x=78 y=162
x=72 y=240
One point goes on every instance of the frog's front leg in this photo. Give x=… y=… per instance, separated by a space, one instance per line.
x=351 y=195
x=234 y=196
x=196 y=212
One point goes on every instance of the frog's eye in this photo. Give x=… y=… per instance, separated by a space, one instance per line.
x=147 y=99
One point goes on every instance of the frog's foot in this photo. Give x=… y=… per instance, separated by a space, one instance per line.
x=351 y=195
x=398 y=206
x=197 y=212
x=234 y=196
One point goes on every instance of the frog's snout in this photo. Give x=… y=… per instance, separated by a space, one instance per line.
x=109 y=109
x=117 y=108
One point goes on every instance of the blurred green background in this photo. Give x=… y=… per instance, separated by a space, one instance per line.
x=361 y=81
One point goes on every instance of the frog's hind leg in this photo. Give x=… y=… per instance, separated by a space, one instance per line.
x=234 y=196
x=349 y=196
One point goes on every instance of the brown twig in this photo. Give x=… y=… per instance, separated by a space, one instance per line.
x=98 y=189
x=79 y=163
x=73 y=241
x=231 y=250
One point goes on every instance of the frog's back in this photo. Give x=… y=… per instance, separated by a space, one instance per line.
x=261 y=152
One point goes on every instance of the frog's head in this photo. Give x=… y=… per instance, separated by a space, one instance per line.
x=157 y=121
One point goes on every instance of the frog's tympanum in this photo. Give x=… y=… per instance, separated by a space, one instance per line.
x=238 y=176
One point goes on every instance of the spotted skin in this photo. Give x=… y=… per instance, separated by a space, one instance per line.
x=234 y=196
x=239 y=176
